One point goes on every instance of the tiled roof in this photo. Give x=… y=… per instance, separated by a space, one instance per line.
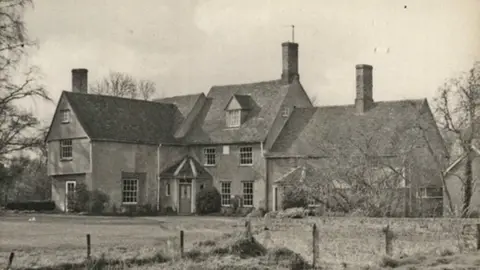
x=210 y=126
x=123 y=120
x=326 y=131
x=184 y=104
x=188 y=167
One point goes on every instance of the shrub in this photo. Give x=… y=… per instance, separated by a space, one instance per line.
x=208 y=201
x=88 y=201
x=237 y=202
x=31 y=206
x=293 y=213
x=98 y=200
x=294 y=197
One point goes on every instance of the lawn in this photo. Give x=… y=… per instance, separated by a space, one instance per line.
x=51 y=240
x=354 y=242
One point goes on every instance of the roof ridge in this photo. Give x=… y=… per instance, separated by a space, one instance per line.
x=177 y=96
x=246 y=84
x=114 y=97
x=375 y=102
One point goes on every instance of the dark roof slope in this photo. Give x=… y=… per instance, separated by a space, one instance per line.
x=124 y=120
x=188 y=167
x=184 y=105
x=210 y=126
x=328 y=131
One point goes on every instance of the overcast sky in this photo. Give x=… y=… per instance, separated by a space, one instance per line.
x=187 y=46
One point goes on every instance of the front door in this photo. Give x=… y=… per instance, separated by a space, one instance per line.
x=69 y=195
x=185 y=196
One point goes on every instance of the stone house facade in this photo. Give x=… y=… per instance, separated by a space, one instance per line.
x=239 y=138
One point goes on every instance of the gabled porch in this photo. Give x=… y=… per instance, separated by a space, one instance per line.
x=181 y=183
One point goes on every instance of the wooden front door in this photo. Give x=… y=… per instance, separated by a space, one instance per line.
x=185 y=201
x=69 y=195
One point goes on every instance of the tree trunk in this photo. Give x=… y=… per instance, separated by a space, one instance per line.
x=467 y=195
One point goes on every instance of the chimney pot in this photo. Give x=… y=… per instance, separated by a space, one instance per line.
x=80 y=80
x=290 y=62
x=364 y=88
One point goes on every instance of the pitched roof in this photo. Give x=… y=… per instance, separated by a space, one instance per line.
x=245 y=102
x=184 y=105
x=324 y=130
x=122 y=119
x=188 y=167
x=210 y=126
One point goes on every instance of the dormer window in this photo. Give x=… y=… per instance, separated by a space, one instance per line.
x=285 y=111
x=237 y=110
x=233 y=118
x=65 y=116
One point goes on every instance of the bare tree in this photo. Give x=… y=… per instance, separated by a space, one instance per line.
x=456 y=109
x=124 y=85
x=17 y=127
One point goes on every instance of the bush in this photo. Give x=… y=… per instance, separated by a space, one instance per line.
x=208 y=201
x=88 y=201
x=31 y=206
x=293 y=198
x=297 y=212
x=98 y=201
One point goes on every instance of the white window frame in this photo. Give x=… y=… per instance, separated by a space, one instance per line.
x=246 y=156
x=66 y=146
x=226 y=149
x=234 y=118
x=135 y=191
x=65 y=116
x=247 y=193
x=226 y=197
x=423 y=194
x=209 y=152
x=285 y=111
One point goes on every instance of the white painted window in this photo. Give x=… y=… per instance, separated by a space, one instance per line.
x=209 y=156
x=233 y=118
x=248 y=193
x=167 y=189
x=65 y=116
x=430 y=193
x=225 y=192
x=66 y=149
x=246 y=155
x=285 y=111
x=226 y=150
x=130 y=191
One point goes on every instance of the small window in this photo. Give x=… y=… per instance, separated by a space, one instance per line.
x=226 y=150
x=246 y=156
x=209 y=156
x=167 y=189
x=225 y=193
x=430 y=192
x=285 y=111
x=248 y=193
x=65 y=116
x=202 y=186
x=233 y=118
x=66 y=149
x=130 y=191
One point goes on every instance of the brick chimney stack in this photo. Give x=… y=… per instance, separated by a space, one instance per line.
x=80 y=80
x=364 y=88
x=290 y=62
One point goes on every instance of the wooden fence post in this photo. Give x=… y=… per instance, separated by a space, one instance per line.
x=181 y=243
x=315 y=247
x=10 y=260
x=89 y=248
x=478 y=236
x=388 y=240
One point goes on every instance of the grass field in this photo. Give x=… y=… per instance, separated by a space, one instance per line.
x=354 y=242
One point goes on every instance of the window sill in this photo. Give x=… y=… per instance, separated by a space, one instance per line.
x=209 y=165
x=246 y=165
x=129 y=203
x=226 y=205
x=66 y=122
x=66 y=159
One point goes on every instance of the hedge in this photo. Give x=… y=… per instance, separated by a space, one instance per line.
x=31 y=206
